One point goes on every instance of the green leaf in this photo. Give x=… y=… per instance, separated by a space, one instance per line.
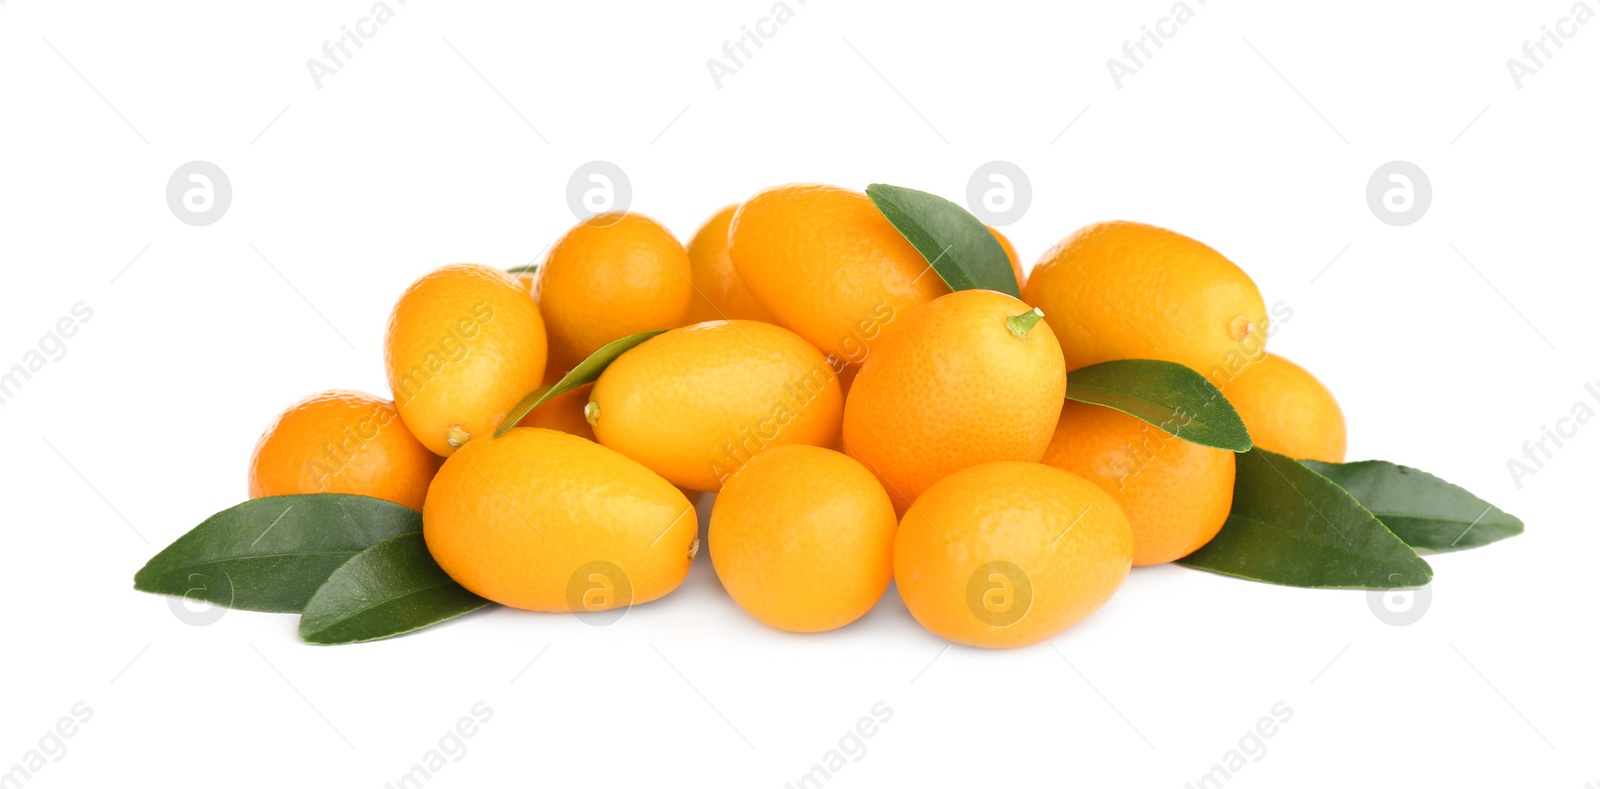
x=586 y=372
x=1293 y=527
x=1423 y=510
x=961 y=250
x=1165 y=394
x=271 y=554
x=529 y=269
x=391 y=588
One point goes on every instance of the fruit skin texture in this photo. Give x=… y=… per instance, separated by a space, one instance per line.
x=465 y=343
x=1125 y=290
x=1011 y=255
x=1287 y=410
x=341 y=441
x=828 y=265
x=611 y=276
x=563 y=412
x=951 y=388
x=1176 y=494
x=719 y=293
x=696 y=403
x=803 y=538
x=521 y=520
x=1065 y=540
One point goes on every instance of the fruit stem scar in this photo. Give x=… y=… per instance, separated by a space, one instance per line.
x=591 y=412
x=456 y=437
x=1020 y=325
x=1240 y=328
x=694 y=548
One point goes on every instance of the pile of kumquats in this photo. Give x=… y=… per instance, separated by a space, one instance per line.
x=875 y=391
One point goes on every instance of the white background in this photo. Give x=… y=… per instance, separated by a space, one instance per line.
x=451 y=135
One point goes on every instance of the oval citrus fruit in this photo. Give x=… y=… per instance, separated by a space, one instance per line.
x=1287 y=410
x=971 y=377
x=1009 y=554
x=696 y=403
x=1125 y=290
x=342 y=442
x=719 y=293
x=1011 y=256
x=563 y=412
x=545 y=521
x=610 y=276
x=465 y=343
x=803 y=538
x=828 y=265
x=1176 y=494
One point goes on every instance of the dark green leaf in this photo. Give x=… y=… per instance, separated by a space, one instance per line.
x=1291 y=526
x=586 y=372
x=1165 y=394
x=393 y=587
x=1423 y=510
x=523 y=269
x=271 y=554
x=961 y=250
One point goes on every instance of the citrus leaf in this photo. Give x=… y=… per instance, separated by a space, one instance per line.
x=529 y=269
x=1293 y=527
x=959 y=248
x=1165 y=394
x=1421 y=509
x=271 y=554
x=586 y=372
x=391 y=588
